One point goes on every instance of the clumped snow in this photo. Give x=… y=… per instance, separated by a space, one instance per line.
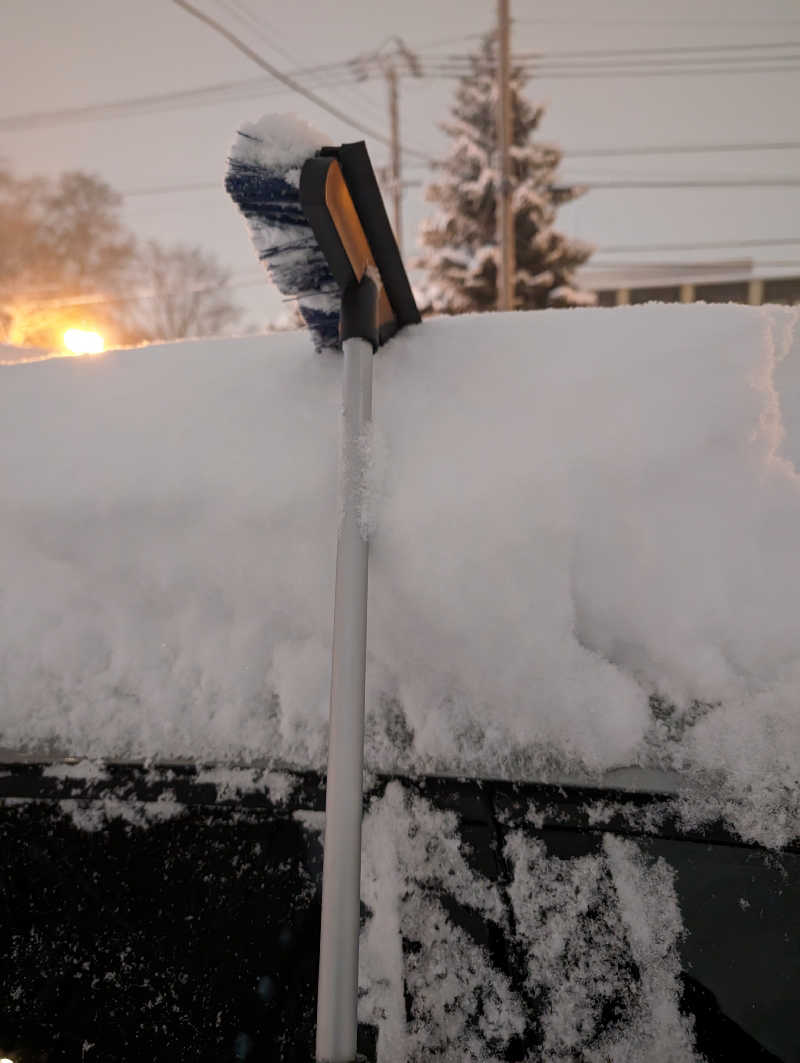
x=279 y=142
x=88 y=770
x=96 y=815
x=233 y=783
x=583 y=551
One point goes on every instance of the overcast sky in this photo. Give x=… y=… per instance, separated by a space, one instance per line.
x=58 y=55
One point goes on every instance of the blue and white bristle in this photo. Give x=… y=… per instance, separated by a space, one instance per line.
x=263 y=179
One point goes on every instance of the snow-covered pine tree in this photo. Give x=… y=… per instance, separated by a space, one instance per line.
x=461 y=240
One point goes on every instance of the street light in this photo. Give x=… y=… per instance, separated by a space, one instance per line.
x=80 y=341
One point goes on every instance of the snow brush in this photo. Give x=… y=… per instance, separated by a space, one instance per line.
x=319 y=223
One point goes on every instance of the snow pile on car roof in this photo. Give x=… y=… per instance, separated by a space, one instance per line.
x=583 y=526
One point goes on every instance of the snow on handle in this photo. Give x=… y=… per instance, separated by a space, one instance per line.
x=579 y=511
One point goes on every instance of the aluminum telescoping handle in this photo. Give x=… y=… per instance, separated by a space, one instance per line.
x=337 y=1002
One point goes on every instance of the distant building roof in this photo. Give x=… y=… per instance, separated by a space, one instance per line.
x=664 y=274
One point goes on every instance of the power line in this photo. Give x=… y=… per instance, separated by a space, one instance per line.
x=622 y=183
x=291 y=82
x=681 y=149
x=675 y=49
x=545 y=73
x=661 y=21
x=430 y=45
x=678 y=66
x=159 y=102
x=725 y=182
x=678 y=60
x=673 y=54
x=677 y=149
x=668 y=66
x=268 y=33
x=468 y=64
x=782 y=263
x=245 y=15
x=329 y=75
x=189 y=186
x=702 y=246
x=767 y=52
x=611 y=75
x=449 y=40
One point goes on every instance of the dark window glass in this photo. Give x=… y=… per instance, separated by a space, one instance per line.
x=671 y=294
x=784 y=290
x=732 y=292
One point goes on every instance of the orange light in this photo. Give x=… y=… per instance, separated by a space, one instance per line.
x=78 y=341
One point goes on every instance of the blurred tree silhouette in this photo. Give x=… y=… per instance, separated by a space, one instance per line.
x=68 y=261
x=63 y=254
x=186 y=294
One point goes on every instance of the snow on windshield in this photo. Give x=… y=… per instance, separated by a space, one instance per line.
x=593 y=973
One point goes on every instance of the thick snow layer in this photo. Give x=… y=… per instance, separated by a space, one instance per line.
x=570 y=512
x=10 y=355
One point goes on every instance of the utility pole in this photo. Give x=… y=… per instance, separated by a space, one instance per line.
x=391 y=63
x=394 y=133
x=505 y=218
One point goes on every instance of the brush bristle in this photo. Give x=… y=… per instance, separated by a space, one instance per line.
x=263 y=180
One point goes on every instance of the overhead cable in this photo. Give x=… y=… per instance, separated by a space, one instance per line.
x=288 y=80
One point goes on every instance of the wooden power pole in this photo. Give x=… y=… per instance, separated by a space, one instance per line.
x=394 y=123
x=391 y=62
x=505 y=218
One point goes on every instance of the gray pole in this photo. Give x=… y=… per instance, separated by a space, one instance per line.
x=397 y=187
x=391 y=65
x=505 y=221
x=341 y=879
